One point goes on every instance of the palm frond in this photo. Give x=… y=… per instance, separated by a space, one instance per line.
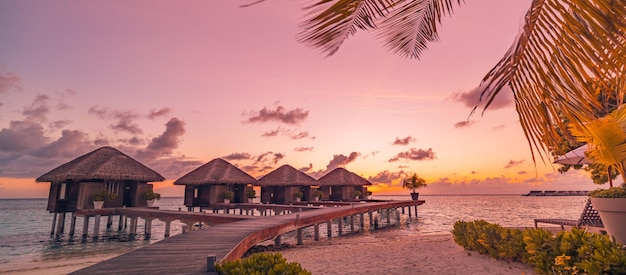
x=606 y=138
x=411 y=25
x=406 y=25
x=333 y=21
x=563 y=47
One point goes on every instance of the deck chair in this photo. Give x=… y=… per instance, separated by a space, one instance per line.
x=589 y=218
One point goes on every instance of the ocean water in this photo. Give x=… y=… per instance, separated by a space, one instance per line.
x=25 y=224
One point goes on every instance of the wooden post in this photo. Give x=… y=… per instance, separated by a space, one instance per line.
x=371 y=216
x=136 y=224
x=352 y=224
x=316 y=228
x=362 y=223
x=133 y=226
x=61 y=223
x=54 y=222
x=167 y=228
x=96 y=226
x=148 y=228
x=340 y=226
x=329 y=228
x=85 y=226
x=416 y=211
x=72 y=224
x=397 y=218
x=402 y=209
x=210 y=263
x=109 y=221
x=388 y=218
x=299 y=233
x=410 y=212
x=277 y=241
x=120 y=223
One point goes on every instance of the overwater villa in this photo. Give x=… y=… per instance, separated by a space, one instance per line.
x=285 y=184
x=342 y=185
x=207 y=184
x=73 y=184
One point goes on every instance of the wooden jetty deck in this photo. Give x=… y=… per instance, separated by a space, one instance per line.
x=189 y=253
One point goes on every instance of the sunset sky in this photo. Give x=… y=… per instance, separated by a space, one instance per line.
x=176 y=84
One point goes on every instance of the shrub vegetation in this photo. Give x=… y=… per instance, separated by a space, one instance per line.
x=567 y=252
x=261 y=264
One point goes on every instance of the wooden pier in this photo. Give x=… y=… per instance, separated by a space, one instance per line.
x=196 y=251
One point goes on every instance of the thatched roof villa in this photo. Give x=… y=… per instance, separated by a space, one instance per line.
x=74 y=183
x=206 y=184
x=340 y=185
x=282 y=184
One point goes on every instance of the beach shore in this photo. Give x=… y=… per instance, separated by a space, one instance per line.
x=383 y=252
x=54 y=267
x=393 y=252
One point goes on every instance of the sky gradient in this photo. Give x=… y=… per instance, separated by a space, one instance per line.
x=177 y=84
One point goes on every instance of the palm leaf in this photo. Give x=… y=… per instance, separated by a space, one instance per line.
x=606 y=138
x=405 y=25
x=564 y=46
x=412 y=24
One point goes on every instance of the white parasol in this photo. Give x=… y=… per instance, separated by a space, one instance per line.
x=577 y=157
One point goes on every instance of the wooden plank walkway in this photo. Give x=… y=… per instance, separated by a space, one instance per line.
x=187 y=253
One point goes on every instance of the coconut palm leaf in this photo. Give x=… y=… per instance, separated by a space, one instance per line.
x=563 y=47
x=405 y=25
x=606 y=138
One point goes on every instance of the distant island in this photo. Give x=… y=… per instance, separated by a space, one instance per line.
x=536 y=193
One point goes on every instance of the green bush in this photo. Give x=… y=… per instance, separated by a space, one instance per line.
x=490 y=239
x=250 y=193
x=103 y=195
x=613 y=192
x=151 y=195
x=261 y=264
x=567 y=252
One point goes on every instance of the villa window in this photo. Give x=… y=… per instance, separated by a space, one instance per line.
x=63 y=191
x=113 y=187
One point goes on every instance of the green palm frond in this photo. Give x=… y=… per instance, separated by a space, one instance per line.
x=405 y=25
x=606 y=138
x=563 y=47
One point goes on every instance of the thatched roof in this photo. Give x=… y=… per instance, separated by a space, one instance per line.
x=217 y=171
x=106 y=163
x=341 y=176
x=286 y=176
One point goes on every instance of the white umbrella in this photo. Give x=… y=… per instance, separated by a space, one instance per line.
x=574 y=157
x=577 y=157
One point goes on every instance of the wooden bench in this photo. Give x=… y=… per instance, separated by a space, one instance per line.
x=589 y=218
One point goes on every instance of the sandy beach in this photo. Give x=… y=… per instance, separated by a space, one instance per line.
x=54 y=267
x=393 y=252
x=383 y=252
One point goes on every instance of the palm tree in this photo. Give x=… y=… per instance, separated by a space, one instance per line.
x=563 y=46
x=413 y=182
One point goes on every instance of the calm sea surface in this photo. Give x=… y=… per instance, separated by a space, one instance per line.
x=25 y=224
